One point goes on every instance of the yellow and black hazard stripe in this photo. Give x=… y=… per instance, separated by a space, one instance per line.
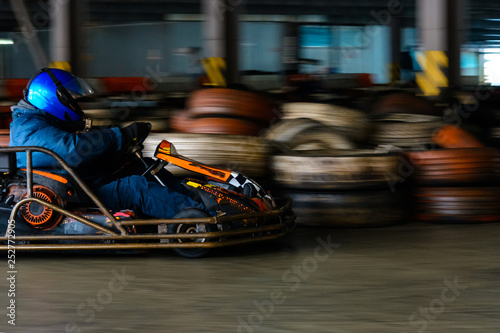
x=215 y=67
x=433 y=78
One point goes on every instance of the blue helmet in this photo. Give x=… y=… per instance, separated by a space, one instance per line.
x=55 y=90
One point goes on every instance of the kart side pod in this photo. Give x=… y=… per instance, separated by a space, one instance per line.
x=166 y=153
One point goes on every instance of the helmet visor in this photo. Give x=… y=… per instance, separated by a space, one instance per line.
x=78 y=87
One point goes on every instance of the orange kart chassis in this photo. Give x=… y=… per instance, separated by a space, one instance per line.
x=261 y=226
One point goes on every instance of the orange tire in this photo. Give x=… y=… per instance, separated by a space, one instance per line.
x=449 y=136
x=455 y=166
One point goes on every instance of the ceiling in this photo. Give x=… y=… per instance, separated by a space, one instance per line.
x=482 y=16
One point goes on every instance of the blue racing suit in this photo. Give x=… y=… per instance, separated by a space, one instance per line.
x=88 y=153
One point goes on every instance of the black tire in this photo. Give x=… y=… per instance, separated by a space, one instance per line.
x=191 y=253
x=348 y=169
x=348 y=209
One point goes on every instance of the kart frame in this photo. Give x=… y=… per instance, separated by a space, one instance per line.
x=276 y=223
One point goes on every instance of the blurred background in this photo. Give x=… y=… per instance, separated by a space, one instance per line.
x=367 y=114
x=310 y=97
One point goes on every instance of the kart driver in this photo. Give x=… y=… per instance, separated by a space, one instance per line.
x=49 y=116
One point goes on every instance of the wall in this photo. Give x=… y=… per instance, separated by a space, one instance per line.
x=135 y=50
x=173 y=48
x=349 y=50
x=261 y=46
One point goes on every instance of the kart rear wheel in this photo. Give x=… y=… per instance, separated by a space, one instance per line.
x=191 y=253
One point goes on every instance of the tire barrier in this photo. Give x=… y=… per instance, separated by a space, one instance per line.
x=303 y=134
x=215 y=125
x=449 y=136
x=458 y=204
x=460 y=166
x=245 y=154
x=4 y=137
x=404 y=130
x=225 y=111
x=349 y=122
x=348 y=209
x=220 y=102
x=320 y=138
x=349 y=170
x=5 y=116
x=402 y=102
x=495 y=136
x=286 y=129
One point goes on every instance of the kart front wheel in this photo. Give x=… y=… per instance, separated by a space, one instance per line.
x=194 y=252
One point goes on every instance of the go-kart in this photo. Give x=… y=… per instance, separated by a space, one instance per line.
x=42 y=210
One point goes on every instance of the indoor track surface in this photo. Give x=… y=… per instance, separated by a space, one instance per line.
x=414 y=277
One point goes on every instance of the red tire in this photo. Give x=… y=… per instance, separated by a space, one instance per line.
x=223 y=102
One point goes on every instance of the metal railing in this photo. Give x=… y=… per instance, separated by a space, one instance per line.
x=271 y=224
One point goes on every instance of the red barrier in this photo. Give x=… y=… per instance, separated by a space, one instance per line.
x=5 y=116
x=114 y=85
x=14 y=88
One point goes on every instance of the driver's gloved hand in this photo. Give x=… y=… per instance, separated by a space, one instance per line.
x=135 y=133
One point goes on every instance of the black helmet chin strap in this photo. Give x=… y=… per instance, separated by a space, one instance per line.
x=64 y=95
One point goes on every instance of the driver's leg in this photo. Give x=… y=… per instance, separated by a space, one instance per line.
x=148 y=198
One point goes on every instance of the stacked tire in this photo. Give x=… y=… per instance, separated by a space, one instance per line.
x=458 y=204
x=351 y=123
x=305 y=134
x=224 y=111
x=407 y=131
x=342 y=170
x=331 y=183
x=494 y=130
x=249 y=155
x=495 y=136
x=460 y=166
x=457 y=185
x=402 y=102
x=403 y=120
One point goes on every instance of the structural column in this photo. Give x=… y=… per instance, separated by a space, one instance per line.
x=29 y=33
x=78 y=38
x=431 y=20
x=220 y=30
x=291 y=48
x=60 y=34
x=395 y=49
x=67 y=40
x=456 y=37
x=441 y=36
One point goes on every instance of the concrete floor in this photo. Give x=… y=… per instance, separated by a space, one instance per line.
x=407 y=278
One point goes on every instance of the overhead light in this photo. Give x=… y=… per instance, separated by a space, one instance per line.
x=6 y=42
x=490 y=50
